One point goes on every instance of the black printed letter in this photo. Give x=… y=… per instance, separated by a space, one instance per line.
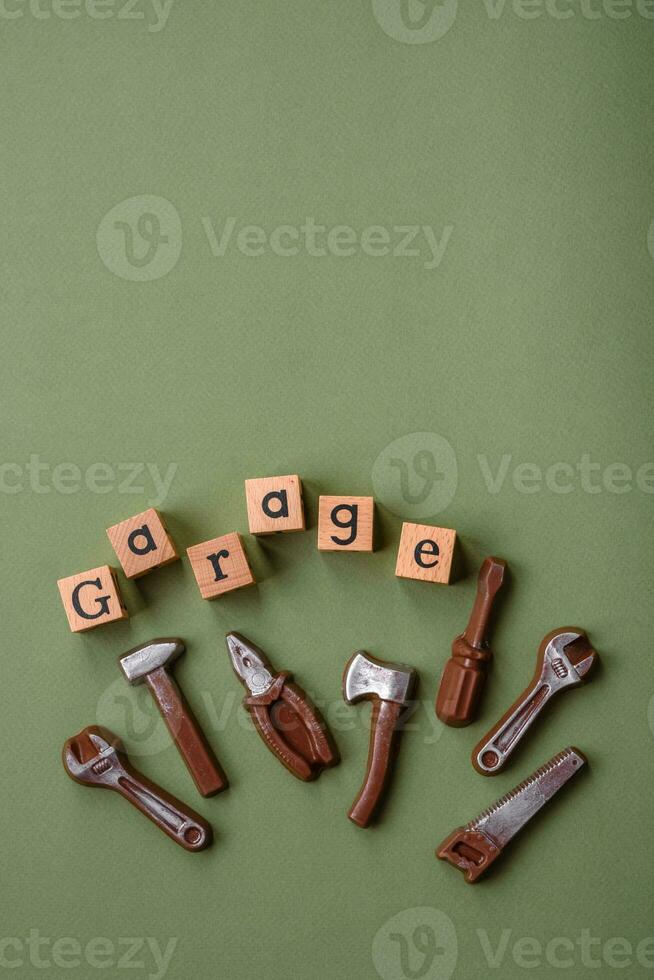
x=141 y=532
x=353 y=511
x=215 y=561
x=103 y=601
x=279 y=495
x=426 y=547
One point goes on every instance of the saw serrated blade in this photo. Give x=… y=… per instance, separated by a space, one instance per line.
x=504 y=819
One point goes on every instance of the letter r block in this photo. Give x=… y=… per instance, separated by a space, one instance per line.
x=345 y=523
x=220 y=565
x=142 y=543
x=425 y=553
x=91 y=599
x=274 y=504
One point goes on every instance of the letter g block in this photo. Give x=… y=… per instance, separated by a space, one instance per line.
x=91 y=599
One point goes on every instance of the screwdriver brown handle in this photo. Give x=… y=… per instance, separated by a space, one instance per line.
x=464 y=674
x=187 y=735
x=383 y=734
x=182 y=824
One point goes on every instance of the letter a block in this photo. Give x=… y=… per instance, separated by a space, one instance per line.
x=142 y=543
x=274 y=504
x=345 y=523
x=220 y=565
x=91 y=599
x=425 y=553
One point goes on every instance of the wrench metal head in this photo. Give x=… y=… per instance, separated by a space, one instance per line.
x=567 y=653
x=91 y=754
x=250 y=664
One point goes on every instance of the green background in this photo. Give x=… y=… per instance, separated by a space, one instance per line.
x=532 y=339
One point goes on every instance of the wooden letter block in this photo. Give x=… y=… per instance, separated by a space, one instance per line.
x=345 y=523
x=142 y=543
x=91 y=599
x=274 y=504
x=220 y=565
x=425 y=553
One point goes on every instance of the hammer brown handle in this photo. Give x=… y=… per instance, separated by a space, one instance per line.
x=385 y=716
x=187 y=735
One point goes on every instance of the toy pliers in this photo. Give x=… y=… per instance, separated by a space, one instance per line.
x=290 y=725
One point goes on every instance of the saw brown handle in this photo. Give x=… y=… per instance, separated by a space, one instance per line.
x=187 y=735
x=385 y=716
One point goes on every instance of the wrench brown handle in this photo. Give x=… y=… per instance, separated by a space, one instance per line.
x=383 y=735
x=182 y=824
x=492 y=753
x=187 y=734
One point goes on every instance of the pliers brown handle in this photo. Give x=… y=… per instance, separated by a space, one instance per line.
x=290 y=725
x=292 y=728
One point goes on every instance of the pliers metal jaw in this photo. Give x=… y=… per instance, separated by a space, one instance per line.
x=287 y=721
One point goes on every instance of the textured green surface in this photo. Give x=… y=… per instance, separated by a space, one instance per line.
x=531 y=139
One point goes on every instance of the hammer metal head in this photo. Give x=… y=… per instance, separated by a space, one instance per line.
x=367 y=677
x=142 y=660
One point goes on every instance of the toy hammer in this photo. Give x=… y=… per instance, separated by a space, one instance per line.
x=148 y=663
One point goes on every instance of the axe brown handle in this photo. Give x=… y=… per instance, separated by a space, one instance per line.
x=187 y=735
x=385 y=716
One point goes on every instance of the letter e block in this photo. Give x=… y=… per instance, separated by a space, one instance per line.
x=345 y=523
x=425 y=553
x=220 y=565
x=142 y=543
x=274 y=504
x=91 y=599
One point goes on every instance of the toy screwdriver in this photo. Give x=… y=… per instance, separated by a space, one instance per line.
x=465 y=672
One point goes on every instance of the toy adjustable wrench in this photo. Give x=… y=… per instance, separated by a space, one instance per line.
x=565 y=658
x=95 y=757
